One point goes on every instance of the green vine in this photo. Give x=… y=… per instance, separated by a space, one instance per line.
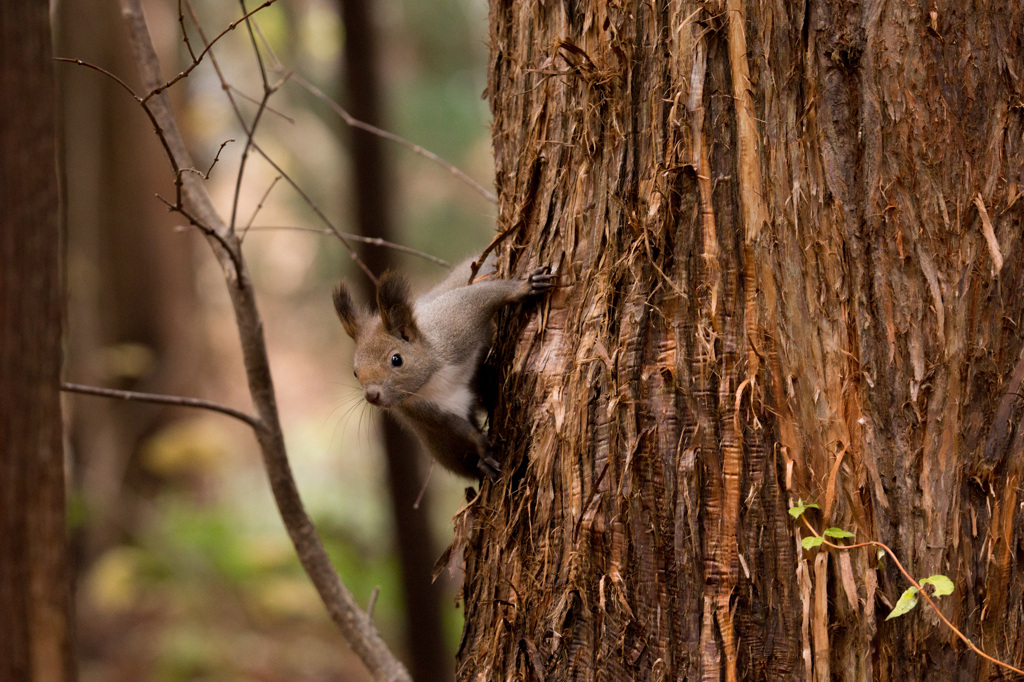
x=940 y=585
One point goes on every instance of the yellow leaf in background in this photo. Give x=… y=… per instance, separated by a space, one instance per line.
x=270 y=552
x=288 y=596
x=187 y=447
x=113 y=582
x=126 y=360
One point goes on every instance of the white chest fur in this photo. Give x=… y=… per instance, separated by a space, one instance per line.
x=449 y=388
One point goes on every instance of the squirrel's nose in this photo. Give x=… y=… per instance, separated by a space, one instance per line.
x=372 y=394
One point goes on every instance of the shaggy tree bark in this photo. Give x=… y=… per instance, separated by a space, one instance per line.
x=35 y=595
x=789 y=238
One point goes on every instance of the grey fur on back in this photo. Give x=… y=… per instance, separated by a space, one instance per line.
x=458 y=277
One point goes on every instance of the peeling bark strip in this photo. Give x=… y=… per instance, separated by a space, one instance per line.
x=777 y=223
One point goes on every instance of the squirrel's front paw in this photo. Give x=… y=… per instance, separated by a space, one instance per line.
x=489 y=467
x=542 y=280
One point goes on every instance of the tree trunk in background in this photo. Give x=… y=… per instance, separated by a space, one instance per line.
x=35 y=595
x=131 y=308
x=789 y=234
x=428 y=656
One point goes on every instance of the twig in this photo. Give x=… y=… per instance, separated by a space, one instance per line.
x=249 y=132
x=920 y=590
x=195 y=62
x=255 y=47
x=423 y=490
x=319 y=214
x=267 y=92
x=253 y=100
x=374 y=130
x=101 y=70
x=184 y=33
x=259 y=207
x=252 y=421
x=228 y=246
x=217 y=158
x=482 y=258
x=373 y=601
x=225 y=86
x=375 y=241
x=354 y=624
x=356 y=123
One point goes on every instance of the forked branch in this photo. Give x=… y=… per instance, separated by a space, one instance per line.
x=356 y=627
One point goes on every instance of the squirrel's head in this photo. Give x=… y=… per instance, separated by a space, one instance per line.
x=392 y=359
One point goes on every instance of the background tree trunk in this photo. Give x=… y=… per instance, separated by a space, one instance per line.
x=372 y=183
x=132 y=306
x=35 y=635
x=789 y=236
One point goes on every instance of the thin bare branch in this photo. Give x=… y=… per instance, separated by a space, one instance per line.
x=374 y=130
x=216 y=158
x=245 y=156
x=184 y=33
x=373 y=601
x=234 y=254
x=162 y=400
x=195 y=62
x=356 y=123
x=225 y=86
x=375 y=241
x=253 y=100
x=101 y=70
x=259 y=207
x=305 y=197
x=175 y=166
x=255 y=47
x=319 y=214
x=267 y=92
x=354 y=624
x=423 y=490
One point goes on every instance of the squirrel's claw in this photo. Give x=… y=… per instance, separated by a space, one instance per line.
x=490 y=467
x=541 y=279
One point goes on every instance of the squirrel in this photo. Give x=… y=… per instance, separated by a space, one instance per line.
x=418 y=360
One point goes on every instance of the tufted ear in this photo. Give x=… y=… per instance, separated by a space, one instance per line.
x=346 y=309
x=396 y=307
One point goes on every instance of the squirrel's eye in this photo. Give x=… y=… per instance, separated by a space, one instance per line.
x=355 y=374
x=396 y=360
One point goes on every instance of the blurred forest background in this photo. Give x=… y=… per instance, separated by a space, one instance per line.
x=183 y=568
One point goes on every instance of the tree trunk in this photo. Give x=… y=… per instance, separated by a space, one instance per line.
x=35 y=633
x=788 y=236
x=131 y=306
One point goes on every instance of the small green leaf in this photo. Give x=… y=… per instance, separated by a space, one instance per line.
x=941 y=583
x=838 y=533
x=813 y=541
x=881 y=558
x=908 y=600
x=797 y=510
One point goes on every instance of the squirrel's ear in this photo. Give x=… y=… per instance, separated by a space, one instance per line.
x=346 y=310
x=395 y=307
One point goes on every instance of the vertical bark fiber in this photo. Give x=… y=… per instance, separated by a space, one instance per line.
x=35 y=630
x=789 y=235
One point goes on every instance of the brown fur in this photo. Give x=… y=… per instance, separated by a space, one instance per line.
x=419 y=359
